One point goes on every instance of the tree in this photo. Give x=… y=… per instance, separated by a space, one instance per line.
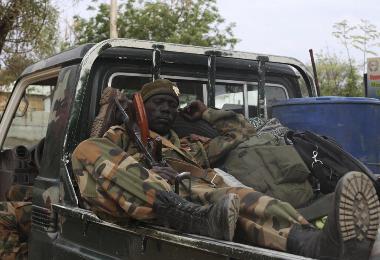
x=365 y=40
x=343 y=33
x=13 y=67
x=27 y=25
x=195 y=22
x=362 y=37
x=337 y=77
x=28 y=31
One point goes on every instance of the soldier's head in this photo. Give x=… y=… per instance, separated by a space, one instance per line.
x=161 y=104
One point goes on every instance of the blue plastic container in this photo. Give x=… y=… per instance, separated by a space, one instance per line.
x=352 y=122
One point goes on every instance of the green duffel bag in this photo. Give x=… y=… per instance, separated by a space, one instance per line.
x=275 y=170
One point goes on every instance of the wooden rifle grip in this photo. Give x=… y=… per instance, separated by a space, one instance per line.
x=141 y=118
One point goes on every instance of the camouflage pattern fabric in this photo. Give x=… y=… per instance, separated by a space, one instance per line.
x=275 y=128
x=15 y=223
x=233 y=129
x=115 y=183
x=258 y=157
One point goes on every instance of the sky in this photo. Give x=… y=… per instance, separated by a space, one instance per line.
x=281 y=27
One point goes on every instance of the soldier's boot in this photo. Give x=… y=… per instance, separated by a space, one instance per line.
x=351 y=227
x=216 y=220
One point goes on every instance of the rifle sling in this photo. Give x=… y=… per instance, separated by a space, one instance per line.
x=208 y=175
x=195 y=170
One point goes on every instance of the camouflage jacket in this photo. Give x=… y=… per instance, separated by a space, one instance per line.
x=200 y=151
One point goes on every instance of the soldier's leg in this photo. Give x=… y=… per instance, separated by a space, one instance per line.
x=264 y=219
x=143 y=195
x=349 y=233
x=251 y=232
x=15 y=218
x=108 y=176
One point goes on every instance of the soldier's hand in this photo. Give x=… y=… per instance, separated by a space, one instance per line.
x=168 y=173
x=194 y=110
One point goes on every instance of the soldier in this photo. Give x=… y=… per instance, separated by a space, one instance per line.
x=15 y=215
x=258 y=159
x=116 y=184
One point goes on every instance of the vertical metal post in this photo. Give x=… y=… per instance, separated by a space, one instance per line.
x=211 y=75
x=113 y=19
x=245 y=98
x=315 y=72
x=261 y=102
x=156 y=61
x=204 y=91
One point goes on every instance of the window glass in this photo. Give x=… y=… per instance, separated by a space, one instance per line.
x=252 y=100
x=273 y=93
x=189 y=90
x=129 y=84
x=229 y=97
x=30 y=123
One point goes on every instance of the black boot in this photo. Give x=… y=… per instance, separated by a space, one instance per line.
x=351 y=226
x=216 y=220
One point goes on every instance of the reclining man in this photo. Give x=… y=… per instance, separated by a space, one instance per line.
x=116 y=184
x=256 y=157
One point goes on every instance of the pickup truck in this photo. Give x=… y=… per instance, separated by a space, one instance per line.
x=51 y=109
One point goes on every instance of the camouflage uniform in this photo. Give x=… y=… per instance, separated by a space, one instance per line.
x=15 y=222
x=115 y=183
x=259 y=159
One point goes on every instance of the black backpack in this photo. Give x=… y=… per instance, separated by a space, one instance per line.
x=327 y=161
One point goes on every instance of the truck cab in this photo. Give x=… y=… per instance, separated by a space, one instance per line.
x=51 y=109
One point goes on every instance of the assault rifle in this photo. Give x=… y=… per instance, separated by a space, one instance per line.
x=151 y=149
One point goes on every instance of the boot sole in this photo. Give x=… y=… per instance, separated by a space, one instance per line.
x=358 y=213
x=232 y=205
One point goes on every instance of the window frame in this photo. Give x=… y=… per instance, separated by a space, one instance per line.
x=16 y=96
x=244 y=84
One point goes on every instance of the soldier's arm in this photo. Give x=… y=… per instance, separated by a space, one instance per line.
x=225 y=121
x=233 y=129
x=112 y=181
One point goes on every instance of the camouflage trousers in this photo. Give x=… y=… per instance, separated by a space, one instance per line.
x=15 y=222
x=263 y=221
x=116 y=186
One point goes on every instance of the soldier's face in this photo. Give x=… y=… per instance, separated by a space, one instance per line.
x=161 y=112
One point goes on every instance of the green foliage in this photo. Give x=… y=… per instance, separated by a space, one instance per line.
x=338 y=77
x=195 y=22
x=28 y=32
x=13 y=66
x=362 y=37
x=343 y=33
x=365 y=41
x=33 y=30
